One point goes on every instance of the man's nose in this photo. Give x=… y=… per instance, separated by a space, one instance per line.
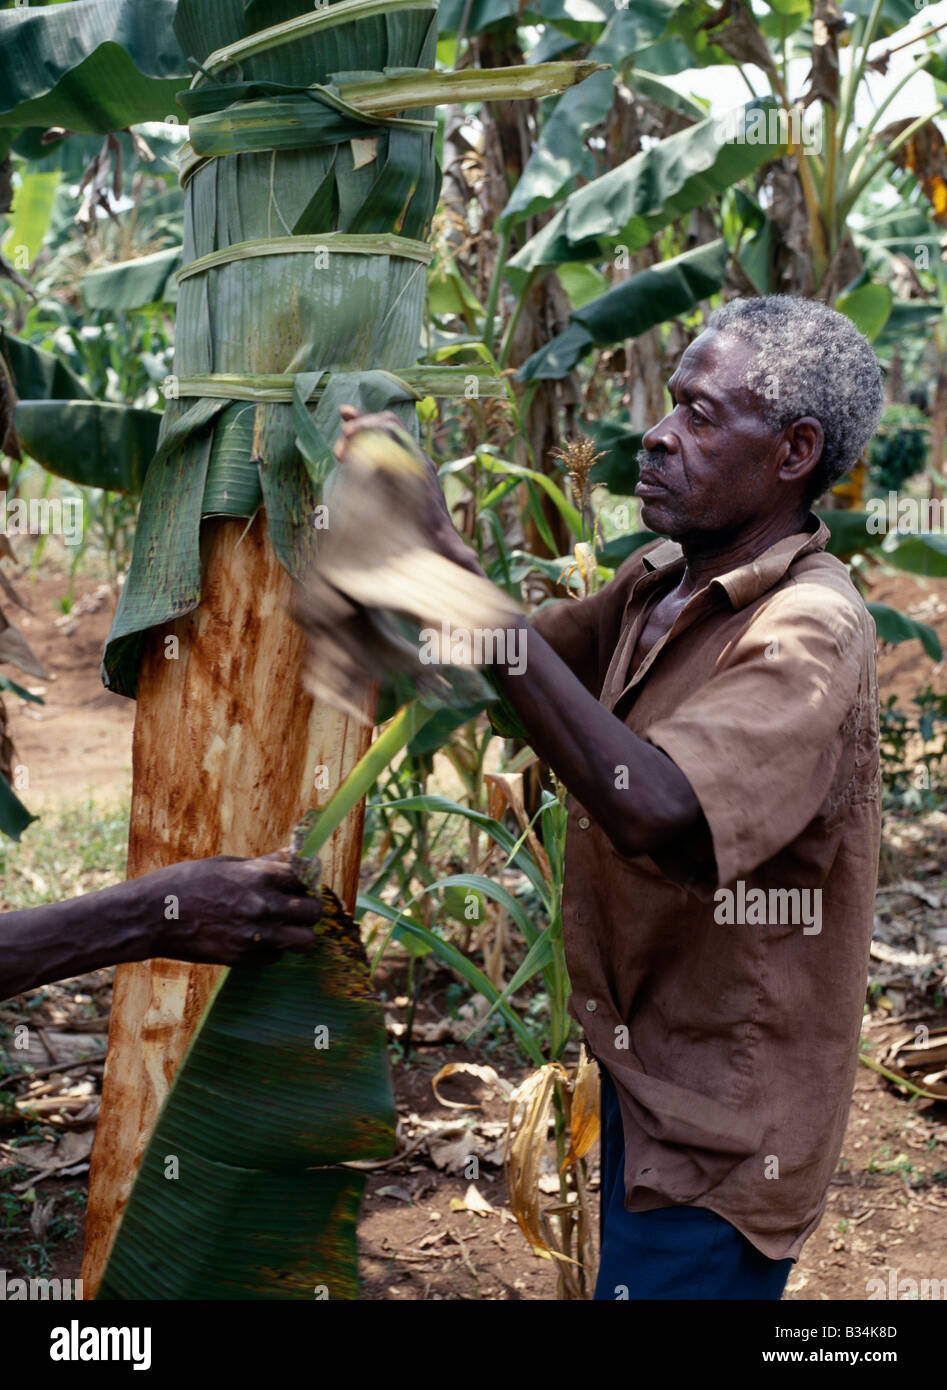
x=661 y=436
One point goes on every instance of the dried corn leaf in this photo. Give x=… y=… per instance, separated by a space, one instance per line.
x=525 y=1149
x=584 y=1118
x=506 y=790
x=485 y=1074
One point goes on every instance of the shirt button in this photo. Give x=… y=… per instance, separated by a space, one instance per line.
x=591 y=1005
x=584 y=822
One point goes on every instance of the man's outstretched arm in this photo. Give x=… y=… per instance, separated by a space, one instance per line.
x=221 y=911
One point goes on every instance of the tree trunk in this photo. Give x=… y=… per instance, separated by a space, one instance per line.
x=938 y=426
x=226 y=748
x=6 y=747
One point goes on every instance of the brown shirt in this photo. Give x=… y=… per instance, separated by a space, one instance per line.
x=729 y=1021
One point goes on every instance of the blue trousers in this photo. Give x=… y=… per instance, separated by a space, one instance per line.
x=672 y=1252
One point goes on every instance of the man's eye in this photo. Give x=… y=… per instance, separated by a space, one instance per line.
x=697 y=418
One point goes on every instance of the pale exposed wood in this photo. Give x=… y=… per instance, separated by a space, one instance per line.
x=225 y=753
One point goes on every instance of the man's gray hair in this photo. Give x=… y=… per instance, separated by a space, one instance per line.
x=812 y=361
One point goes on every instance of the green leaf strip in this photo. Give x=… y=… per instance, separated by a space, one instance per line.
x=243 y=117
x=384 y=245
x=448 y=382
x=303 y=26
x=286 y=123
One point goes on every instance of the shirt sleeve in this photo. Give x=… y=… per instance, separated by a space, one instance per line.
x=571 y=629
x=760 y=742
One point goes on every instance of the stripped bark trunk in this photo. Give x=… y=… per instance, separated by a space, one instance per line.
x=226 y=748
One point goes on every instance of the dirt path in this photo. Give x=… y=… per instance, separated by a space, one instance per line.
x=78 y=743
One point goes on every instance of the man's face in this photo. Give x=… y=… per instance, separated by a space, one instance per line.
x=711 y=465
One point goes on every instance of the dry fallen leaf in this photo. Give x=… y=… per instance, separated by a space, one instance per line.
x=486 y=1074
x=474 y=1201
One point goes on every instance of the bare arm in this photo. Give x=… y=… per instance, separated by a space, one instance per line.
x=223 y=911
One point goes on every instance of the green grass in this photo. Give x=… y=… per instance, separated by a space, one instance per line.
x=64 y=854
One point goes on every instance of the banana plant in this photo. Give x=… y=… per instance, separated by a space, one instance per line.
x=836 y=156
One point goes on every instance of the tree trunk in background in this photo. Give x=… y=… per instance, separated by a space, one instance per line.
x=895 y=377
x=507 y=146
x=6 y=747
x=226 y=746
x=938 y=425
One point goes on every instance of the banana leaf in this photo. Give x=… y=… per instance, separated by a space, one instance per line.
x=133 y=284
x=32 y=209
x=908 y=316
x=651 y=88
x=39 y=375
x=618 y=468
x=652 y=296
x=14 y=817
x=892 y=14
x=925 y=553
x=560 y=154
x=90 y=442
x=754 y=250
x=619 y=549
x=286 y=1078
x=895 y=626
x=626 y=206
x=868 y=307
x=481 y=15
x=92 y=65
x=849 y=534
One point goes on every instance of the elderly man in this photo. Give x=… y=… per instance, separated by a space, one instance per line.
x=713 y=712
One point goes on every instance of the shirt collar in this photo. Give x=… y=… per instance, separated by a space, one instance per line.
x=747 y=582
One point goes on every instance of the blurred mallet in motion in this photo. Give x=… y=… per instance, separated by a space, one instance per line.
x=378 y=563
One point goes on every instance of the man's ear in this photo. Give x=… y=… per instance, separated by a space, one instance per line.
x=806 y=440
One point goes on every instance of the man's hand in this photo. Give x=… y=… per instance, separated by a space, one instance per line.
x=230 y=911
x=437 y=523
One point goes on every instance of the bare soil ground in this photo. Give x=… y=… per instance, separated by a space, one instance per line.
x=888 y=1202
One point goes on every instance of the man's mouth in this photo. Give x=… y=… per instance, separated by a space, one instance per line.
x=649 y=484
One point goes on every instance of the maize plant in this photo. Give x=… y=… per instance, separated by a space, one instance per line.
x=310 y=181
